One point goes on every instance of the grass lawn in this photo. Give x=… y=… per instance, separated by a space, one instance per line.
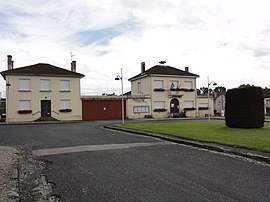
x=216 y=132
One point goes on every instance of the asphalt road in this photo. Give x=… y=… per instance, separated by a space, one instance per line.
x=89 y=163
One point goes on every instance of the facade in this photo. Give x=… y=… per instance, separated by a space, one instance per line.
x=42 y=92
x=266 y=93
x=219 y=104
x=163 y=91
x=202 y=105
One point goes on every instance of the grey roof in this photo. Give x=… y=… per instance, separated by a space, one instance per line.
x=164 y=70
x=41 y=69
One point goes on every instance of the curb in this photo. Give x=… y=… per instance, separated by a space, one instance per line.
x=203 y=145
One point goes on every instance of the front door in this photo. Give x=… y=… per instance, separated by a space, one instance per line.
x=45 y=108
x=174 y=106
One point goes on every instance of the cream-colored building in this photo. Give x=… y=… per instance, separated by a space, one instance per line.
x=164 y=91
x=42 y=92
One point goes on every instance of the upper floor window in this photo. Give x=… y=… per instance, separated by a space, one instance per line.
x=45 y=85
x=188 y=84
x=173 y=84
x=25 y=85
x=158 y=84
x=65 y=85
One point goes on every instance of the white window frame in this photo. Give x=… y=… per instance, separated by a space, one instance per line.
x=189 y=104
x=64 y=85
x=65 y=104
x=159 y=104
x=45 y=85
x=158 y=84
x=25 y=85
x=203 y=105
x=24 y=104
x=140 y=109
x=188 y=84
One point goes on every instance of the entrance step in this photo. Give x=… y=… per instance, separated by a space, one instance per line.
x=46 y=119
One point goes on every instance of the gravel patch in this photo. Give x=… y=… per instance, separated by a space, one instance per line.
x=22 y=179
x=8 y=174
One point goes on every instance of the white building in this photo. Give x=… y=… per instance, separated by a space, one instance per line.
x=42 y=91
x=164 y=91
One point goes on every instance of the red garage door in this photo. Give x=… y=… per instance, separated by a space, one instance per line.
x=102 y=109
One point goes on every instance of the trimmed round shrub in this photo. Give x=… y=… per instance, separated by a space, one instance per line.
x=244 y=107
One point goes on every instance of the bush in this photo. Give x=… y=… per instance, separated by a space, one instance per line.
x=244 y=107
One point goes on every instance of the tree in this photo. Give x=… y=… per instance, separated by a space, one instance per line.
x=220 y=89
x=204 y=90
x=244 y=107
x=245 y=85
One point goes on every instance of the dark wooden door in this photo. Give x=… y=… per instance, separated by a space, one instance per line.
x=174 y=106
x=45 y=108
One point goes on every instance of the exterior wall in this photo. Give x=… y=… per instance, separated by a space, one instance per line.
x=102 y=109
x=35 y=95
x=204 y=100
x=219 y=104
x=267 y=105
x=134 y=102
x=165 y=95
x=145 y=88
x=168 y=95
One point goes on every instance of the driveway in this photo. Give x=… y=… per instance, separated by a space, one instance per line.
x=86 y=162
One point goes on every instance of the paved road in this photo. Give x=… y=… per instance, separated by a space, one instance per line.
x=89 y=163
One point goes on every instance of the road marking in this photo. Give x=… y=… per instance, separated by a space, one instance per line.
x=87 y=148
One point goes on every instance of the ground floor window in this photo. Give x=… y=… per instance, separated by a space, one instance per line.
x=25 y=105
x=65 y=104
x=188 y=104
x=159 y=105
x=140 y=109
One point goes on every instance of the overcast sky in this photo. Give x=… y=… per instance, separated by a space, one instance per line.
x=227 y=40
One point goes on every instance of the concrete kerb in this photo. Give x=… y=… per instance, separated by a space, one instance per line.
x=250 y=154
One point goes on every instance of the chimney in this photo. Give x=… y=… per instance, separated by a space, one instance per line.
x=9 y=62
x=142 y=67
x=186 y=69
x=73 y=66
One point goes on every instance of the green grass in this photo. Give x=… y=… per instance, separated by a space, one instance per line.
x=267 y=117
x=215 y=132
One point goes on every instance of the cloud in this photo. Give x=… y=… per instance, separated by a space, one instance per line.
x=213 y=38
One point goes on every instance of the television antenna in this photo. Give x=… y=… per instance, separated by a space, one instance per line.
x=72 y=56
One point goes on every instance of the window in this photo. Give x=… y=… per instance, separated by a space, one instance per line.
x=140 y=109
x=25 y=85
x=64 y=85
x=139 y=87
x=188 y=84
x=188 y=104
x=25 y=104
x=173 y=84
x=159 y=105
x=158 y=84
x=45 y=85
x=203 y=105
x=65 y=104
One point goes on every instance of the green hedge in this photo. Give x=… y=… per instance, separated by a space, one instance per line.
x=244 y=107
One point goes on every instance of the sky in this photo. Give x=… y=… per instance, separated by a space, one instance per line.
x=225 y=40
